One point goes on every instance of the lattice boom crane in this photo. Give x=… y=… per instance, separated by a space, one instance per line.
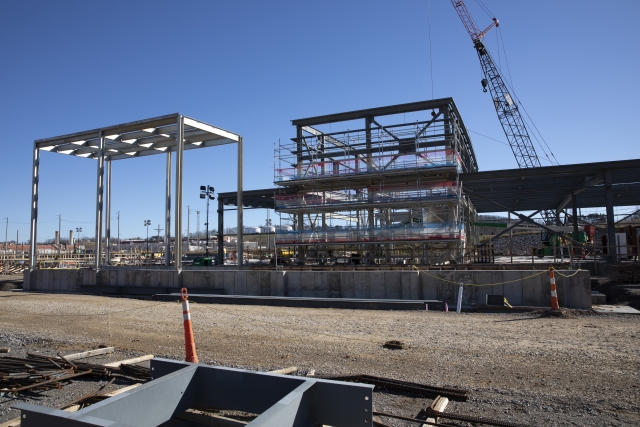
x=508 y=112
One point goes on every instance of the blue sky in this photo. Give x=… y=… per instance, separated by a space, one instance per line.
x=251 y=67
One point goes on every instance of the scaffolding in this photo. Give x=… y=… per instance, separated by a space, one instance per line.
x=386 y=191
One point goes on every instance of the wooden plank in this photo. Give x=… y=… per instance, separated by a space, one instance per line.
x=285 y=371
x=209 y=420
x=89 y=353
x=439 y=404
x=129 y=361
x=121 y=390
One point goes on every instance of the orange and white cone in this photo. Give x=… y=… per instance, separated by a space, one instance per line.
x=189 y=342
x=554 y=292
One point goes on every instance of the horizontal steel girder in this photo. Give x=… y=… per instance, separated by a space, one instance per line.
x=280 y=401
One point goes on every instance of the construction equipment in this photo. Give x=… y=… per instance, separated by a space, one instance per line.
x=507 y=109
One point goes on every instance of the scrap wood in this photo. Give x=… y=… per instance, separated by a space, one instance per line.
x=439 y=404
x=284 y=371
x=129 y=361
x=210 y=420
x=89 y=353
x=473 y=419
x=5 y=350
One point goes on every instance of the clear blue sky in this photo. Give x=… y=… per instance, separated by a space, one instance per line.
x=250 y=67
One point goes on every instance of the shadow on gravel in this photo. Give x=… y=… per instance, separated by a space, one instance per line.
x=566 y=313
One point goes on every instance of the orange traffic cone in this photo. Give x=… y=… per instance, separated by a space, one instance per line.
x=189 y=342
x=554 y=292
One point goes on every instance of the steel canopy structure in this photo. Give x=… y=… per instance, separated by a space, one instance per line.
x=552 y=187
x=173 y=133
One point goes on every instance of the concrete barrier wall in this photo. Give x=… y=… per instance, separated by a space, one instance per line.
x=529 y=288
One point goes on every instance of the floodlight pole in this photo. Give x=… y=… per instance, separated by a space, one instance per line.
x=207 y=191
x=206 y=248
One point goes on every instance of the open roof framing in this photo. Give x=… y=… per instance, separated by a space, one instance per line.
x=173 y=133
x=140 y=138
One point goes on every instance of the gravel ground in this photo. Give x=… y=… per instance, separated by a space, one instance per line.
x=578 y=368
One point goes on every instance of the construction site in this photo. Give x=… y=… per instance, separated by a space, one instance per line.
x=396 y=282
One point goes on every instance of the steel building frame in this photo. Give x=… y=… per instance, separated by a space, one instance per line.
x=173 y=133
x=279 y=400
x=364 y=175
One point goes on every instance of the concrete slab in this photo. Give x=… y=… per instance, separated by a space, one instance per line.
x=228 y=282
x=618 y=309
x=334 y=280
x=348 y=290
x=409 y=285
x=343 y=303
x=292 y=284
x=361 y=285
x=241 y=282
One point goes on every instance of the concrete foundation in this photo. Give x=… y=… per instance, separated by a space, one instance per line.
x=525 y=288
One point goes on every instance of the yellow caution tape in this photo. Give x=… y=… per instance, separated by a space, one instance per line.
x=507 y=302
x=565 y=275
x=483 y=284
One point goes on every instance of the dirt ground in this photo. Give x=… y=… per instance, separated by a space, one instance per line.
x=577 y=368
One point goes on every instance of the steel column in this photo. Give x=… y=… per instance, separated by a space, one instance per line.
x=178 y=209
x=107 y=218
x=574 y=214
x=99 y=202
x=167 y=215
x=35 y=186
x=611 y=225
x=220 y=231
x=240 y=223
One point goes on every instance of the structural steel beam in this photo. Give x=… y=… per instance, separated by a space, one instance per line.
x=611 y=226
x=280 y=401
x=35 y=186
x=99 y=201
x=590 y=182
x=178 y=209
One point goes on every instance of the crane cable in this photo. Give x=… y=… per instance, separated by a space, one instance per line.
x=430 y=57
x=513 y=92
x=499 y=40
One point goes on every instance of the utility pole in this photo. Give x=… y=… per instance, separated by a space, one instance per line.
x=118 y=231
x=188 y=219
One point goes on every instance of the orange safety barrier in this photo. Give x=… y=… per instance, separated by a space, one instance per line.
x=189 y=342
x=554 y=292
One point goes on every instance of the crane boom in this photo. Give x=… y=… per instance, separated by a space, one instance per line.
x=508 y=113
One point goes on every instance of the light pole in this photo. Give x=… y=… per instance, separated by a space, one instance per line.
x=147 y=223
x=78 y=230
x=207 y=192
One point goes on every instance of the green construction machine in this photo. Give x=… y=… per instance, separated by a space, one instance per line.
x=551 y=240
